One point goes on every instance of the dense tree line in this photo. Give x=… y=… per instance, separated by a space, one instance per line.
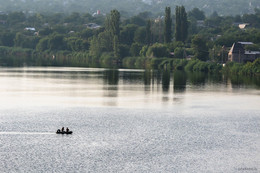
x=127 y=7
x=141 y=39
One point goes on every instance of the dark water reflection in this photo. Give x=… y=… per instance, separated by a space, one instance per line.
x=111 y=77
x=113 y=87
x=166 y=80
x=179 y=81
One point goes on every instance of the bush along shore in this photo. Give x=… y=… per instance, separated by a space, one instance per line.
x=29 y=57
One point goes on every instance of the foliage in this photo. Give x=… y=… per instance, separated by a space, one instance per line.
x=250 y=68
x=56 y=42
x=197 y=14
x=200 y=66
x=127 y=33
x=139 y=36
x=7 y=39
x=157 y=50
x=167 y=25
x=144 y=50
x=179 y=52
x=148 y=35
x=181 y=24
x=107 y=59
x=135 y=49
x=200 y=48
x=114 y=23
x=116 y=47
x=130 y=7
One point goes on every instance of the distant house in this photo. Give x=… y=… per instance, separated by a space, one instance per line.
x=243 y=26
x=45 y=24
x=92 y=26
x=97 y=13
x=158 y=19
x=238 y=53
x=200 y=23
x=3 y=22
x=214 y=38
x=29 y=29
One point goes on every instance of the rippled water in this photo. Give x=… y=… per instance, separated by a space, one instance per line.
x=127 y=121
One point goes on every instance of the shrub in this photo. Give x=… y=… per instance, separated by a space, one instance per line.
x=157 y=50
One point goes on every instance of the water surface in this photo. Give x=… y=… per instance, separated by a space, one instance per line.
x=127 y=121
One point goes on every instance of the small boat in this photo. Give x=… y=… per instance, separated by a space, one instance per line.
x=64 y=132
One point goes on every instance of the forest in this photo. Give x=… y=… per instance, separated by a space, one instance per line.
x=177 y=39
x=129 y=8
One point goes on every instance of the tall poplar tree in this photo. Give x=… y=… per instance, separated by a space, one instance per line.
x=181 y=24
x=114 y=22
x=167 y=25
x=148 y=36
x=184 y=24
x=115 y=47
x=114 y=29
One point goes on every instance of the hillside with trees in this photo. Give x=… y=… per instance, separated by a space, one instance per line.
x=128 y=7
x=140 y=41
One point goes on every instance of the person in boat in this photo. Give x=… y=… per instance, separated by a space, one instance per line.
x=58 y=131
x=67 y=129
x=62 y=129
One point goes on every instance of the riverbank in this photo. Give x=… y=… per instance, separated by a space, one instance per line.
x=29 y=57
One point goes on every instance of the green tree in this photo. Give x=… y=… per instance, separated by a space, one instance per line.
x=148 y=35
x=112 y=28
x=200 y=48
x=114 y=23
x=123 y=50
x=116 y=47
x=135 y=49
x=43 y=44
x=167 y=25
x=137 y=21
x=157 y=50
x=7 y=39
x=197 y=14
x=19 y=39
x=105 y=41
x=56 y=42
x=95 y=49
x=140 y=35
x=74 y=18
x=179 y=52
x=181 y=24
x=127 y=34
x=143 y=51
x=16 y=17
x=74 y=43
x=25 y=41
x=87 y=33
x=45 y=31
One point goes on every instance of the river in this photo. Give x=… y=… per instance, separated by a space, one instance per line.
x=127 y=121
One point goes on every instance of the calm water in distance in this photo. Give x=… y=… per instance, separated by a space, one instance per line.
x=127 y=121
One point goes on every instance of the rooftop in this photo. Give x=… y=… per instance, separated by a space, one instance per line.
x=237 y=48
x=252 y=53
x=246 y=43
